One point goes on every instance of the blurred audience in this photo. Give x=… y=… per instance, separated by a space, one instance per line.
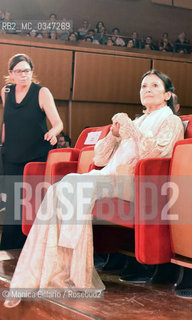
x=99 y=35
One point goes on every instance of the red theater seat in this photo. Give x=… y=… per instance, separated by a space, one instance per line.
x=39 y=175
x=147 y=221
x=150 y=220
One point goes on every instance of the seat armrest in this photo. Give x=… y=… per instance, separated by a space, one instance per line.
x=74 y=153
x=94 y=167
x=60 y=169
x=153 y=166
x=34 y=168
x=33 y=176
x=152 y=235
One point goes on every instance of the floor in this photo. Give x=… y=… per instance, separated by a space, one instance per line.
x=120 y=301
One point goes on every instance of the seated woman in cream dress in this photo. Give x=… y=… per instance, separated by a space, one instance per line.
x=59 y=252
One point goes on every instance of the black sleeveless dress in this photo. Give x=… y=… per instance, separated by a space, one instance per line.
x=25 y=126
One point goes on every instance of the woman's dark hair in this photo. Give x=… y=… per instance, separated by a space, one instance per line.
x=53 y=14
x=167 y=84
x=116 y=29
x=97 y=25
x=13 y=61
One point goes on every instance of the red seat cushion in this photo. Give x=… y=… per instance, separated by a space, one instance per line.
x=114 y=210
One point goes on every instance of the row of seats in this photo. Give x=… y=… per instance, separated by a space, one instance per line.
x=159 y=182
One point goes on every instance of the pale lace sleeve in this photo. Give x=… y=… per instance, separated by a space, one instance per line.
x=149 y=145
x=104 y=149
x=161 y=145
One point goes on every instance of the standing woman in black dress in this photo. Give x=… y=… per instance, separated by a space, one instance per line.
x=25 y=135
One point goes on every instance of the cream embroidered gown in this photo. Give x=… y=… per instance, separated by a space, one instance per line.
x=59 y=253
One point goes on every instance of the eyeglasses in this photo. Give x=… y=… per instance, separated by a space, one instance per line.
x=20 y=72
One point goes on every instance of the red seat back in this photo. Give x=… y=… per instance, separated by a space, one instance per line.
x=181 y=178
x=90 y=136
x=187 y=121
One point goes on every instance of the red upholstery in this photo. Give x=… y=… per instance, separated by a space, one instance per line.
x=115 y=211
x=152 y=234
x=149 y=248
x=152 y=241
x=33 y=175
x=188 y=131
x=37 y=174
x=181 y=176
x=81 y=141
x=42 y=175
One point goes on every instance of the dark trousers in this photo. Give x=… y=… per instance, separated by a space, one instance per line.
x=12 y=236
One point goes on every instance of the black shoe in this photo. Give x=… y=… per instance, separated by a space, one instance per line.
x=135 y=278
x=166 y=273
x=184 y=293
x=183 y=286
x=133 y=267
x=115 y=262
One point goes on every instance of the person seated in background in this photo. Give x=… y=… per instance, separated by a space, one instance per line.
x=73 y=36
x=100 y=26
x=110 y=42
x=84 y=29
x=117 y=39
x=7 y=16
x=88 y=39
x=176 y=103
x=100 y=33
x=45 y=34
x=1 y=20
x=165 y=45
x=136 y=41
x=130 y=44
x=182 y=44
x=1 y=15
x=63 y=141
x=53 y=17
x=53 y=35
x=33 y=33
x=64 y=34
x=148 y=43
x=91 y=34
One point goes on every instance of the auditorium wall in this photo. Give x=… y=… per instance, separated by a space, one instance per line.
x=90 y=83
